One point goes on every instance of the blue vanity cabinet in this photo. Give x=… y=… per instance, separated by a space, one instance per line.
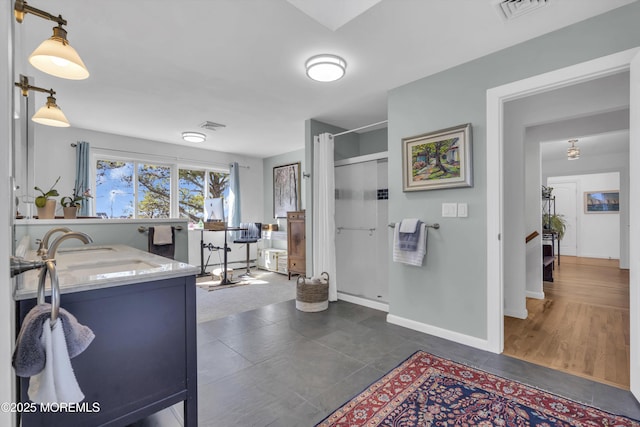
x=142 y=360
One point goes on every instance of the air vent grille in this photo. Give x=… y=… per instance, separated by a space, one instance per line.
x=510 y=9
x=211 y=125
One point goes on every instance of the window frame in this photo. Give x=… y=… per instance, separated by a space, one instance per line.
x=175 y=166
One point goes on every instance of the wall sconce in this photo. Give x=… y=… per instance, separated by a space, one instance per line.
x=49 y=114
x=573 y=152
x=54 y=56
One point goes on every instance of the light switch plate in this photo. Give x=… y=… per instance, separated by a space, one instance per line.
x=449 y=209
x=463 y=210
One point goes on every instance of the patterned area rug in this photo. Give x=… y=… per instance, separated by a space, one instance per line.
x=427 y=390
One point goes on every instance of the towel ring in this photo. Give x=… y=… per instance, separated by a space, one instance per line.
x=50 y=267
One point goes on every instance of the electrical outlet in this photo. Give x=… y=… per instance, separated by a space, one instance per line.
x=463 y=210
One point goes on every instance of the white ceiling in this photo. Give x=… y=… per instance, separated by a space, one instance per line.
x=160 y=67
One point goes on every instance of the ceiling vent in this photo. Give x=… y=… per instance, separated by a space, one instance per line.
x=211 y=125
x=510 y=9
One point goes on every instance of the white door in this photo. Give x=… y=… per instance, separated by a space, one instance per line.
x=566 y=205
x=634 y=226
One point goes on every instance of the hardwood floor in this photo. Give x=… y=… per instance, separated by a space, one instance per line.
x=581 y=326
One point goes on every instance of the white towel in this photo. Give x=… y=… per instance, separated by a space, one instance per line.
x=410 y=257
x=56 y=383
x=409 y=225
x=162 y=235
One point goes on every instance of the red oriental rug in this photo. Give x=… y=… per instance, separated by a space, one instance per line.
x=427 y=390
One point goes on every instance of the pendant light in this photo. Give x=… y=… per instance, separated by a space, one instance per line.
x=49 y=114
x=54 y=56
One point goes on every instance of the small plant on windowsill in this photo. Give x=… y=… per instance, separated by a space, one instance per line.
x=44 y=202
x=70 y=204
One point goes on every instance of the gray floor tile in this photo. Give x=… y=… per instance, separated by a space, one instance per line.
x=235 y=324
x=263 y=343
x=366 y=346
x=303 y=415
x=216 y=360
x=276 y=312
x=346 y=389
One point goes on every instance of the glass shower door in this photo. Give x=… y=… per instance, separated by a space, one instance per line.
x=361 y=230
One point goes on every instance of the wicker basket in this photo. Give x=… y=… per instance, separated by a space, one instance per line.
x=312 y=296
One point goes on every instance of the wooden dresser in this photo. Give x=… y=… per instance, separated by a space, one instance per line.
x=296 y=243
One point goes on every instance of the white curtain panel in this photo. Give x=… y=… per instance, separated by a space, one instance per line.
x=324 y=225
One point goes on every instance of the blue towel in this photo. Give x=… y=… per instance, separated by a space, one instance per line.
x=409 y=241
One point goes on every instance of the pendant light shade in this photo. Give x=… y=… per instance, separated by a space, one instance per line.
x=56 y=57
x=325 y=68
x=51 y=115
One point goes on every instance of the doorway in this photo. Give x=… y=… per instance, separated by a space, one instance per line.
x=496 y=97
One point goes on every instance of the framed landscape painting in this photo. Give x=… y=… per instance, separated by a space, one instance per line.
x=602 y=201
x=286 y=189
x=436 y=160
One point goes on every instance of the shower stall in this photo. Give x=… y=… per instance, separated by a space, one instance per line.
x=362 y=236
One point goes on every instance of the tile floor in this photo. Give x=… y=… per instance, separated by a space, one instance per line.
x=276 y=366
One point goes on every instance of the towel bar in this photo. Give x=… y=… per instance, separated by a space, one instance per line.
x=143 y=229
x=434 y=226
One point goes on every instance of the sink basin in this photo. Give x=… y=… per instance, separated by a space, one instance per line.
x=86 y=249
x=105 y=269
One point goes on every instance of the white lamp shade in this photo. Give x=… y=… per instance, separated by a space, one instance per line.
x=51 y=116
x=58 y=59
x=325 y=68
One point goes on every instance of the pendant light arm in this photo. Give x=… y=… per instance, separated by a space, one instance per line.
x=21 y=8
x=26 y=87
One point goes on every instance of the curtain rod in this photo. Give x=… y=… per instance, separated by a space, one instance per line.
x=360 y=128
x=73 y=144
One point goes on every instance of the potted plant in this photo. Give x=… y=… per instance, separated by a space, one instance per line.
x=555 y=223
x=45 y=204
x=70 y=204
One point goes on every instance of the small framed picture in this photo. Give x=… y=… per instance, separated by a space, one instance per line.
x=286 y=189
x=602 y=201
x=437 y=160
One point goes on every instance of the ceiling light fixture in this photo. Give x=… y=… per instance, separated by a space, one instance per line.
x=325 y=68
x=54 y=56
x=49 y=114
x=194 y=136
x=573 y=152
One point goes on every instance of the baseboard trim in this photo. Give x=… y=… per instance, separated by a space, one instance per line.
x=364 y=302
x=521 y=314
x=534 y=294
x=478 y=343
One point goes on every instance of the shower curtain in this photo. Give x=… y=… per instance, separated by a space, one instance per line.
x=324 y=227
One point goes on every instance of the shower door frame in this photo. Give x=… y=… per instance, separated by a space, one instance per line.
x=383 y=155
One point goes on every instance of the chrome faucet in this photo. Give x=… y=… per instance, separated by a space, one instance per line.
x=43 y=248
x=83 y=237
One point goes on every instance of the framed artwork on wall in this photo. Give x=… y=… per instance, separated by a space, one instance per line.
x=436 y=160
x=286 y=189
x=602 y=201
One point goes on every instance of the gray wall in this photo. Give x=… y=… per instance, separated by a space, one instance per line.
x=449 y=292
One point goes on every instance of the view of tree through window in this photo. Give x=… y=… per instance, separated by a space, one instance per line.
x=154 y=191
x=114 y=189
x=117 y=180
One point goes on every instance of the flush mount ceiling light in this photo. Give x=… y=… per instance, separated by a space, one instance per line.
x=194 y=136
x=49 y=114
x=573 y=152
x=325 y=67
x=54 y=56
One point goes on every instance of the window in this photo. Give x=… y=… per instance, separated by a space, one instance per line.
x=191 y=189
x=140 y=189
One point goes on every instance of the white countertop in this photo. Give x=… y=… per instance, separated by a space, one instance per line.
x=90 y=267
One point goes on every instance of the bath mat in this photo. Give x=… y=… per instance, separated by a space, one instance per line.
x=428 y=390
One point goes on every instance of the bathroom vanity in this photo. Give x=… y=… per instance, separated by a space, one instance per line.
x=142 y=310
